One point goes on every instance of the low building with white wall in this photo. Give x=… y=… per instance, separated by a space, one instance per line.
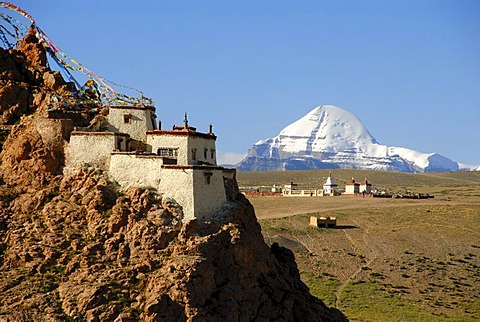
x=290 y=187
x=134 y=120
x=352 y=187
x=179 y=163
x=365 y=186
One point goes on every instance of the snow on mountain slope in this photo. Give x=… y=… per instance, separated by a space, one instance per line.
x=326 y=129
x=329 y=136
x=425 y=162
x=468 y=167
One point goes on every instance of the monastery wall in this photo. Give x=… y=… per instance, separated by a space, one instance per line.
x=351 y=189
x=209 y=196
x=178 y=184
x=184 y=168
x=201 y=192
x=201 y=145
x=169 y=141
x=135 y=170
x=92 y=148
x=134 y=121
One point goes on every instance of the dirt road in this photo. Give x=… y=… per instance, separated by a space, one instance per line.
x=277 y=207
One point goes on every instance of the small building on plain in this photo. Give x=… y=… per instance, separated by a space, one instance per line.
x=327 y=222
x=365 y=186
x=291 y=186
x=276 y=189
x=352 y=187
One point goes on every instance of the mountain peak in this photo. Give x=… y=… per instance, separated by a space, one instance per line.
x=330 y=137
x=325 y=129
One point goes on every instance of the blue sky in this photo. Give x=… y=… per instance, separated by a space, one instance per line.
x=410 y=70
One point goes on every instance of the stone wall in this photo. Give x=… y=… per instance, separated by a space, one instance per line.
x=135 y=170
x=92 y=148
x=185 y=142
x=134 y=121
x=155 y=141
x=201 y=144
x=177 y=183
x=209 y=192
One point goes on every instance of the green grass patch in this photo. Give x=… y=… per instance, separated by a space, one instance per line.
x=321 y=287
x=368 y=302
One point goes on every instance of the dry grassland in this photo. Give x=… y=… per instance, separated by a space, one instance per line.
x=389 y=259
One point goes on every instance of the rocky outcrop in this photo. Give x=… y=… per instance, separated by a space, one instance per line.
x=75 y=248
x=27 y=84
x=33 y=152
x=79 y=249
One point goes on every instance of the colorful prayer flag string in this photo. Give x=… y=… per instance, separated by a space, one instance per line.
x=107 y=94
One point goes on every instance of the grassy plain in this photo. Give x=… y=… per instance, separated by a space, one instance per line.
x=388 y=259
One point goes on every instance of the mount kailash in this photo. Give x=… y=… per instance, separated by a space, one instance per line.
x=331 y=137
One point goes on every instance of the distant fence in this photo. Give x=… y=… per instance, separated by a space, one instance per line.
x=261 y=194
x=302 y=193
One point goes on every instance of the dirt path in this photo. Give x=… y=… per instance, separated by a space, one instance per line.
x=277 y=207
x=357 y=246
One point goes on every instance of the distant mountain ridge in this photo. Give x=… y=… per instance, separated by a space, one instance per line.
x=331 y=137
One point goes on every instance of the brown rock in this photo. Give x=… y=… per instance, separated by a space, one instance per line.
x=34 y=52
x=74 y=248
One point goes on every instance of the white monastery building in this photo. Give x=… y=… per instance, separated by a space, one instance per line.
x=179 y=163
x=365 y=186
x=289 y=187
x=329 y=186
x=353 y=187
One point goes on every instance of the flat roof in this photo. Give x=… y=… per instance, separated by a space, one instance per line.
x=184 y=132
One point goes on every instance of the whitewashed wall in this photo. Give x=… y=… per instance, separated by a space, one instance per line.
x=132 y=170
x=208 y=198
x=155 y=141
x=89 y=148
x=141 y=121
x=366 y=187
x=351 y=189
x=178 y=184
x=185 y=144
x=200 y=143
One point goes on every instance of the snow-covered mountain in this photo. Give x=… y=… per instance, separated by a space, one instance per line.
x=331 y=137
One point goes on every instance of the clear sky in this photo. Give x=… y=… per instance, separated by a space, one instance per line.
x=409 y=69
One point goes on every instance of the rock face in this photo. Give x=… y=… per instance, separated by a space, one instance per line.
x=74 y=248
x=331 y=137
x=26 y=82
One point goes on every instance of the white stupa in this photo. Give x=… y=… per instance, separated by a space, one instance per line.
x=329 y=185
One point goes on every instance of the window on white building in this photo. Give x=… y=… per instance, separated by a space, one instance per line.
x=127 y=118
x=194 y=154
x=208 y=176
x=167 y=152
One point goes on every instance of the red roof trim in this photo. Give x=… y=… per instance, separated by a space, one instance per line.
x=194 y=167
x=182 y=133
